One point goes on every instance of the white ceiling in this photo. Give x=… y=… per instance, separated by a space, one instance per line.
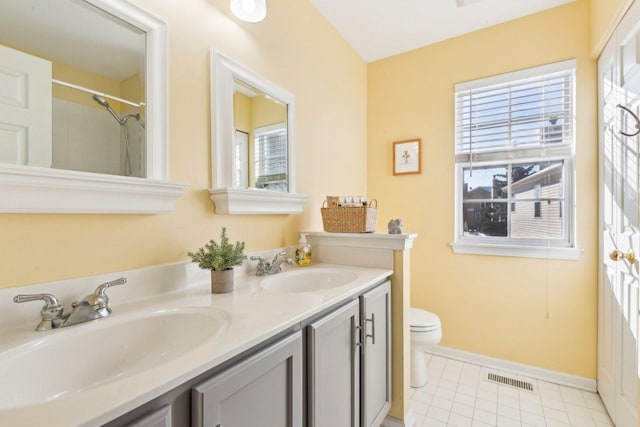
x=74 y=33
x=378 y=29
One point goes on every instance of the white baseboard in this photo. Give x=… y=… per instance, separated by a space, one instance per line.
x=409 y=421
x=556 y=377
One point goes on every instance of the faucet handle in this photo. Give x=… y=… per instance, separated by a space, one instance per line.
x=263 y=265
x=102 y=289
x=278 y=255
x=51 y=311
x=50 y=300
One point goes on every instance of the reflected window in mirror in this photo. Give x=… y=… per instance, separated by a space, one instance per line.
x=270 y=146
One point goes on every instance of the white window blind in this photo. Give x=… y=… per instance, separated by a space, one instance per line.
x=521 y=112
x=271 y=157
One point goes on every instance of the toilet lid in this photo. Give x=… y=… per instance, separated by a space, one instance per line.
x=422 y=320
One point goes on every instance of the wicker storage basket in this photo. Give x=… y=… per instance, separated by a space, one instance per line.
x=361 y=219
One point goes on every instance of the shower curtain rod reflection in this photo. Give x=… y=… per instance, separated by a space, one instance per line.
x=93 y=92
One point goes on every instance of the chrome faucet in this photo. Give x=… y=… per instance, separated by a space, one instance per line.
x=93 y=306
x=273 y=267
x=51 y=311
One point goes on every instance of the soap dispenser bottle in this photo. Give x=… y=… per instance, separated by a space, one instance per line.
x=303 y=251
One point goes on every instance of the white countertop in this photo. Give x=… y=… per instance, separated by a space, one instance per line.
x=255 y=316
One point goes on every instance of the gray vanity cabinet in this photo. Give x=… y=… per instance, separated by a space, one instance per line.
x=349 y=363
x=263 y=390
x=333 y=368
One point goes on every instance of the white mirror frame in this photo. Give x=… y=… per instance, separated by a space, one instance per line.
x=227 y=199
x=28 y=189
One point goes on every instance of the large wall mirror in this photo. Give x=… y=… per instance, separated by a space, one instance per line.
x=83 y=107
x=253 y=142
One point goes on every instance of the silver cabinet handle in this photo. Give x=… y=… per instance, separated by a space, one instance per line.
x=356 y=337
x=373 y=328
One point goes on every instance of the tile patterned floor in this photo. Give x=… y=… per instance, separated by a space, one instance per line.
x=459 y=395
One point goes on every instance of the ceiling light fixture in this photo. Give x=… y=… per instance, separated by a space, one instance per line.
x=249 y=10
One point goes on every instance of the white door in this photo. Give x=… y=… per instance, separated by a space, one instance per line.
x=619 y=98
x=241 y=159
x=25 y=109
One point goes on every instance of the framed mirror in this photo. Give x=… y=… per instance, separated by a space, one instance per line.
x=253 y=142
x=83 y=108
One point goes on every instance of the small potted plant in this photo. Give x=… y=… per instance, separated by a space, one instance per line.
x=220 y=259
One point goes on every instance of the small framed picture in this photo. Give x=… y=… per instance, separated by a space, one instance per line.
x=406 y=157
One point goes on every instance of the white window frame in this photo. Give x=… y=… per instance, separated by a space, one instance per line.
x=508 y=246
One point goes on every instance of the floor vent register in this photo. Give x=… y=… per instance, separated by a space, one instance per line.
x=495 y=378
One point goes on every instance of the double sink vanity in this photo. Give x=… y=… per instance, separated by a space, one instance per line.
x=292 y=349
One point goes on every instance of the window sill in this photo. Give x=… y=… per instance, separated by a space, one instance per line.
x=544 y=252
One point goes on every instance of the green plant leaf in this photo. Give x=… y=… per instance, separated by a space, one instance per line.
x=219 y=257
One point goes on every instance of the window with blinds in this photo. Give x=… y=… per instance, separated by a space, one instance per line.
x=514 y=153
x=525 y=111
x=270 y=151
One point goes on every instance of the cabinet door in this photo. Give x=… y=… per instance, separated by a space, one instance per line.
x=375 y=308
x=333 y=369
x=264 y=390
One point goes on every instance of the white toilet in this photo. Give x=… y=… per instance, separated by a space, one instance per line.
x=426 y=332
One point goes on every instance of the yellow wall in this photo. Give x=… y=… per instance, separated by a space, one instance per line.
x=605 y=15
x=132 y=89
x=265 y=112
x=242 y=112
x=495 y=306
x=291 y=48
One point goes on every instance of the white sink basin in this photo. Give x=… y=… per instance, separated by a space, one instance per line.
x=69 y=360
x=312 y=280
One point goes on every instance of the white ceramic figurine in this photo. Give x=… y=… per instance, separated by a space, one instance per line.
x=395 y=226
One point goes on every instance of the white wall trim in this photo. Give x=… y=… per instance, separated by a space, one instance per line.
x=556 y=377
x=409 y=421
x=398 y=242
x=44 y=190
x=256 y=201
